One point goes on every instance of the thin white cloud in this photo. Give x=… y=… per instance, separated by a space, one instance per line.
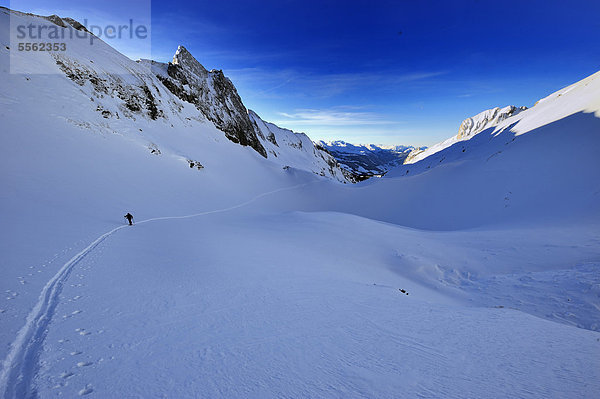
x=338 y=116
x=262 y=83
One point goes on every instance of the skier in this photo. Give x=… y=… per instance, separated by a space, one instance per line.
x=129 y=218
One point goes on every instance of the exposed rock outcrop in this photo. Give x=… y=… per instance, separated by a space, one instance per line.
x=214 y=95
x=468 y=128
x=179 y=92
x=483 y=120
x=297 y=150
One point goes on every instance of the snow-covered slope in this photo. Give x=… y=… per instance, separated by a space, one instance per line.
x=119 y=89
x=366 y=160
x=243 y=279
x=296 y=150
x=540 y=165
x=468 y=128
x=533 y=177
x=579 y=98
x=471 y=126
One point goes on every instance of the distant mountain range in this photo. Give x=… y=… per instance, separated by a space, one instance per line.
x=366 y=160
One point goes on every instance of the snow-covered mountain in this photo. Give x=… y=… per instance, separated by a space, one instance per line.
x=212 y=93
x=468 y=128
x=366 y=160
x=456 y=276
x=296 y=150
x=536 y=163
x=121 y=90
x=216 y=97
x=489 y=118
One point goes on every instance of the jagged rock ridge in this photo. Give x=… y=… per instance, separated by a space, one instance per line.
x=468 y=128
x=127 y=94
x=485 y=119
x=297 y=150
x=214 y=95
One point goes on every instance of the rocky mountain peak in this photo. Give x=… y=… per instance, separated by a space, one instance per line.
x=488 y=118
x=186 y=60
x=469 y=128
x=214 y=95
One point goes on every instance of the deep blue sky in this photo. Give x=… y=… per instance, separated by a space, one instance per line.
x=403 y=72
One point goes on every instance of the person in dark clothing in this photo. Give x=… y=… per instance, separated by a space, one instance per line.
x=129 y=218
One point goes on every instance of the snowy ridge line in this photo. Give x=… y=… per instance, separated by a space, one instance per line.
x=20 y=363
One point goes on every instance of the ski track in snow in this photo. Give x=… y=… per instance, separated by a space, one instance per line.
x=20 y=366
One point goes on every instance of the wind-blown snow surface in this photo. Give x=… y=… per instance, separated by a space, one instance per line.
x=246 y=280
